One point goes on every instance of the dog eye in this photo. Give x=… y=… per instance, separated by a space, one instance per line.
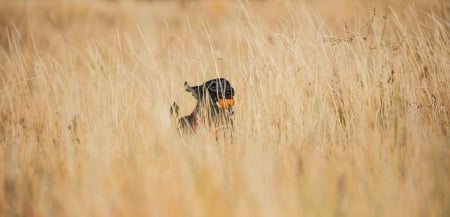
x=213 y=86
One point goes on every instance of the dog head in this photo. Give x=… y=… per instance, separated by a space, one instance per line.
x=215 y=100
x=216 y=94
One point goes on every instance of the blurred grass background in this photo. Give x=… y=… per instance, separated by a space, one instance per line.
x=343 y=108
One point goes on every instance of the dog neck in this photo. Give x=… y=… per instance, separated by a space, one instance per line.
x=204 y=115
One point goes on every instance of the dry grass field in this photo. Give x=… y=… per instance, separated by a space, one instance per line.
x=342 y=108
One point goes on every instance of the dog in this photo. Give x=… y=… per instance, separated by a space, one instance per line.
x=214 y=108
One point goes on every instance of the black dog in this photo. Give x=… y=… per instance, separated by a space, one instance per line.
x=214 y=109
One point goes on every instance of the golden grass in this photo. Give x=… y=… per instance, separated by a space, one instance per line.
x=343 y=109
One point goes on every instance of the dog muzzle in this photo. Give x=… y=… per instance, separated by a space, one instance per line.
x=225 y=103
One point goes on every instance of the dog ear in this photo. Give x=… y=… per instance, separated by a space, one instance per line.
x=191 y=90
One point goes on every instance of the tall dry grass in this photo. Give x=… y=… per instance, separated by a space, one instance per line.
x=343 y=108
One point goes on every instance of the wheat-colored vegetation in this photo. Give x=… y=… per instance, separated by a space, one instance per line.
x=342 y=108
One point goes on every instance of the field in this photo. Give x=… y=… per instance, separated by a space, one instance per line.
x=342 y=108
